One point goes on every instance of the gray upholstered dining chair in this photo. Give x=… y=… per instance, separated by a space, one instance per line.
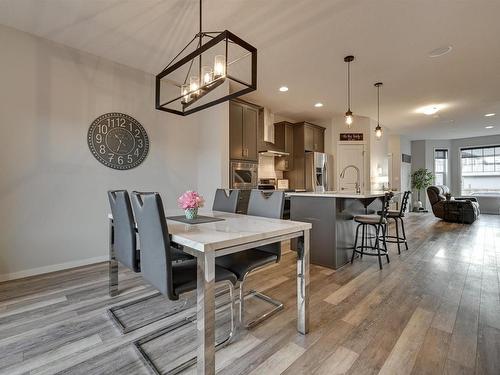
x=126 y=252
x=265 y=204
x=171 y=279
x=226 y=202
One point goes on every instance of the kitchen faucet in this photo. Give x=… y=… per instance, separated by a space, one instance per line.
x=357 y=186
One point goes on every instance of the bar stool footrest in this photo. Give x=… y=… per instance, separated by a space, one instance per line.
x=372 y=251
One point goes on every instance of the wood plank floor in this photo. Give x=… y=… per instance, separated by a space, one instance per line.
x=435 y=309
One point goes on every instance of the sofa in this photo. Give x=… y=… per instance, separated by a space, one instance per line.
x=457 y=209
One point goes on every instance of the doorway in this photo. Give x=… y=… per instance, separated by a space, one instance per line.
x=350 y=154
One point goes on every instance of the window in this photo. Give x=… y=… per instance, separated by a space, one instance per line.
x=441 y=166
x=480 y=170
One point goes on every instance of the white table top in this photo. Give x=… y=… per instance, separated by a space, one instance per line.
x=232 y=231
x=337 y=194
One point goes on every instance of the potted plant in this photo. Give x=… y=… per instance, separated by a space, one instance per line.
x=190 y=201
x=421 y=179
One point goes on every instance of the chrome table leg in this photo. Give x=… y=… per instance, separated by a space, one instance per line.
x=303 y=286
x=112 y=264
x=205 y=313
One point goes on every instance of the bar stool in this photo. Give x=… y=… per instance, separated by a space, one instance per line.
x=378 y=222
x=398 y=215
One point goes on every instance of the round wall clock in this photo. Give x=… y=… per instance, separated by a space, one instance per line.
x=118 y=141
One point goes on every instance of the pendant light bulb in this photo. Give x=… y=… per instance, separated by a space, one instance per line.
x=348 y=114
x=348 y=118
x=378 y=128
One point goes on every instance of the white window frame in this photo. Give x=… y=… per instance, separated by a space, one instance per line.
x=446 y=175
x=460 y=161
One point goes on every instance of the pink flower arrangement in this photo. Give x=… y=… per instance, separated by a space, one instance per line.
x=190 y=199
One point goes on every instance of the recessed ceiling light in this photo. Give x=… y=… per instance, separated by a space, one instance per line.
x=283 y=89
x=440 y=51
x=430 y=109
x=489 y=114
x=489 y=127
x=318 y=105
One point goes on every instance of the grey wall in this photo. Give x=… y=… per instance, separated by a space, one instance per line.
x=423 y=157
x=53 y=191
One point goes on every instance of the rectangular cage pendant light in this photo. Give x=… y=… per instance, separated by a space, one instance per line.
x=221 y=67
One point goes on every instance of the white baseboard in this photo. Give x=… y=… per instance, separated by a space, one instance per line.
x=52 y=268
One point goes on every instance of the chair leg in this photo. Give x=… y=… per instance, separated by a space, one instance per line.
x=277 y=306
x=125 y=329
x=397 y=235
x=241 y=300
x=363 y=241
x=355 y=244
x=403 y=230
x=385 y=228
x=377 y=245
x=145 y=339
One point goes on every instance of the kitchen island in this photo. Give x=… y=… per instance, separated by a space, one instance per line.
x=331 y=215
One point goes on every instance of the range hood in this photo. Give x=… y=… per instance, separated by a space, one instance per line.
x=274 y=153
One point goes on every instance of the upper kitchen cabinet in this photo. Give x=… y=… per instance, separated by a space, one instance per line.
x=243 y=122
x=314 y=137
x=283 y=132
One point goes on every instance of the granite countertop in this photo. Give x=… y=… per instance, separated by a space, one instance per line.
x=336 y=194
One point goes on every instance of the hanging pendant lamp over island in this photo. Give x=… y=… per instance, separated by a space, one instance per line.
x=206 y=76
x=378 y=128
x=348 y=114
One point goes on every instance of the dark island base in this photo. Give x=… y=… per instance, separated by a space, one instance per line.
x=333 y=227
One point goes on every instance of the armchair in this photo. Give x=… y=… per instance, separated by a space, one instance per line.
x=457 y=209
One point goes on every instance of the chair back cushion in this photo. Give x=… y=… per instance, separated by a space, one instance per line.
x=266 y=204
x=124 y=239
x=226 y=202
x=156 y=260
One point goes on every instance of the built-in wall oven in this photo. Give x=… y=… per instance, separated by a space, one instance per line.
x=243 y=176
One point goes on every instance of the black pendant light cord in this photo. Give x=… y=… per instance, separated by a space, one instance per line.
x=349 y=86
x=200 y=43
x=201 y=10
x=378 y=104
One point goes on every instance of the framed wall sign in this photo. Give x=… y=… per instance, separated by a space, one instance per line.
x=351 y=136
x=118 y=141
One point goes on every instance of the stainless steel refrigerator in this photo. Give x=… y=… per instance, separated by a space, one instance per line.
x=319 y=171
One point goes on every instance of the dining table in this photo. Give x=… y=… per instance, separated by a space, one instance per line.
x=206 y=241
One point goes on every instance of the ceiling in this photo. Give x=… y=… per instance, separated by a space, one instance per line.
x=301 y=44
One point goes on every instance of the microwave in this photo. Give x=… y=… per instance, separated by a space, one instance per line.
x=243 y=175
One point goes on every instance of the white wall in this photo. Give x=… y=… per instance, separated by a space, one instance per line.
x=379 y=150
x=394 y=148
x=213 y=151
x=53 y=191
